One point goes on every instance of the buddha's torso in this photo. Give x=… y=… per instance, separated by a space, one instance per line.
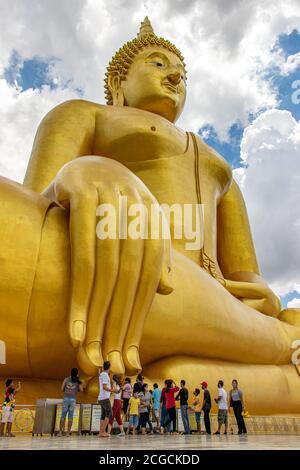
x=163 y=157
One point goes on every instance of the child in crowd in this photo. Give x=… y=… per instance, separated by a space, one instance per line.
x=156 y=404
x=126 y=395
x=133 y=409
x=197 y=406
x=8 y=407
x=144 y=409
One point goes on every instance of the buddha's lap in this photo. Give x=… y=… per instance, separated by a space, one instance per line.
x=201 y=318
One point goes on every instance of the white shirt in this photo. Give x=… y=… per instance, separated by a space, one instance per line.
x=222 y=403
x=104 y=379
x=117 y=395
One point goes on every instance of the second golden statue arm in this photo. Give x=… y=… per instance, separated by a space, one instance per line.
x=113 y=280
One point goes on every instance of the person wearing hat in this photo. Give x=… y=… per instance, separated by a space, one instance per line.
x=206 y=406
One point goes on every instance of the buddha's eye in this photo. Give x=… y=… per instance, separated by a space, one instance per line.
x=158 y=64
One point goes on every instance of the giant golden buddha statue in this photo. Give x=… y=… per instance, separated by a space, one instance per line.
x=68 y=295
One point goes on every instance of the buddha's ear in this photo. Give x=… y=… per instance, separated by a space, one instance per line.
x=114 y=84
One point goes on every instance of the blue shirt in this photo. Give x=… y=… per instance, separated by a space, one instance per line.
x=156 y=398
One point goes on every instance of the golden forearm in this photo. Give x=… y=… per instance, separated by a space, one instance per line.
x=237 y=258
x=236 y=250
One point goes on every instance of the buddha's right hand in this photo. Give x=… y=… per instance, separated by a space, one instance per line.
x=114 y=280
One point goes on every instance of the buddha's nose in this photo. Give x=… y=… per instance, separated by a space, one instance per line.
x=174 y=78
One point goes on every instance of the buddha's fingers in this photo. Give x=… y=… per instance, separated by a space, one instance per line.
x=106 y=271
x=153 y=260
x=267 y=306
x=83 y=239
x=85 y=364
x=251 y=290
x=165 y=284
x=131 y=258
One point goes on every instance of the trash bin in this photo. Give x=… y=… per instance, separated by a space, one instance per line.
x=45 y=416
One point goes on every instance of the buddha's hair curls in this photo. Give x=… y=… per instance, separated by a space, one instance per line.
x=122 y=60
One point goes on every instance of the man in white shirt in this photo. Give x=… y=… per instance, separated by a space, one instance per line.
x=223 y=407
x=103 y=398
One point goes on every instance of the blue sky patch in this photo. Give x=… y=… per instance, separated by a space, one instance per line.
x=287 y=298
x=289 y=43
x=229 y=150
x=29 y=73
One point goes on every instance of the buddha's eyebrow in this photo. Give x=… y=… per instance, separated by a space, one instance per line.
x=163 y=57
x=158 y=54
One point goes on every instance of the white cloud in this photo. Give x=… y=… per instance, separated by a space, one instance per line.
x=290 y=64
x=270 y=184
x=294 y=303
x=20 y=114
x=227 y=46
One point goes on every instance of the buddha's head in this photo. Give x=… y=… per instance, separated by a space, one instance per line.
x=148 y=73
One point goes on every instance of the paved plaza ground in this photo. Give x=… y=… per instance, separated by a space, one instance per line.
x=152 y=442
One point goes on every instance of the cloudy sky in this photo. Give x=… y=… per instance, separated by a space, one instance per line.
x=243 y=61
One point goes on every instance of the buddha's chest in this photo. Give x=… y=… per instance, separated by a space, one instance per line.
x=161 y=154
x=129 y=134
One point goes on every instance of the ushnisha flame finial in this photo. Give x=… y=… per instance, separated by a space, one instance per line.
x=145 y=28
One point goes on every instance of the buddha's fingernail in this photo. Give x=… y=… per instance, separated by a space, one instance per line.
x=164 y=287
x=133 y=358
x=94 y=353
x=77 y=332
x=116 y=361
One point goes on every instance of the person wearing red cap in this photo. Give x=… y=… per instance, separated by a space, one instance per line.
x=206 y=406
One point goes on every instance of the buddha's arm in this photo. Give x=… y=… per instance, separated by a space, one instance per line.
x=66 y=132
x=237 y=258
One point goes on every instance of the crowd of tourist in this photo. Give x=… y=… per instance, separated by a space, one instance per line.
x=143 y=410
x=154 y=411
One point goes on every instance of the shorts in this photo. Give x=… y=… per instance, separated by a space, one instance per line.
x=68 y=407
x=106 y=410
x=156 y=412
x=223 y=416
x=134 y=420
x=7 y=415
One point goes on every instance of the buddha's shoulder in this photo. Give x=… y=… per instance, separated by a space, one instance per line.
x=213 y=157
x=76 y=107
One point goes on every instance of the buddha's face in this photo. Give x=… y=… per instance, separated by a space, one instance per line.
x=156 y=82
